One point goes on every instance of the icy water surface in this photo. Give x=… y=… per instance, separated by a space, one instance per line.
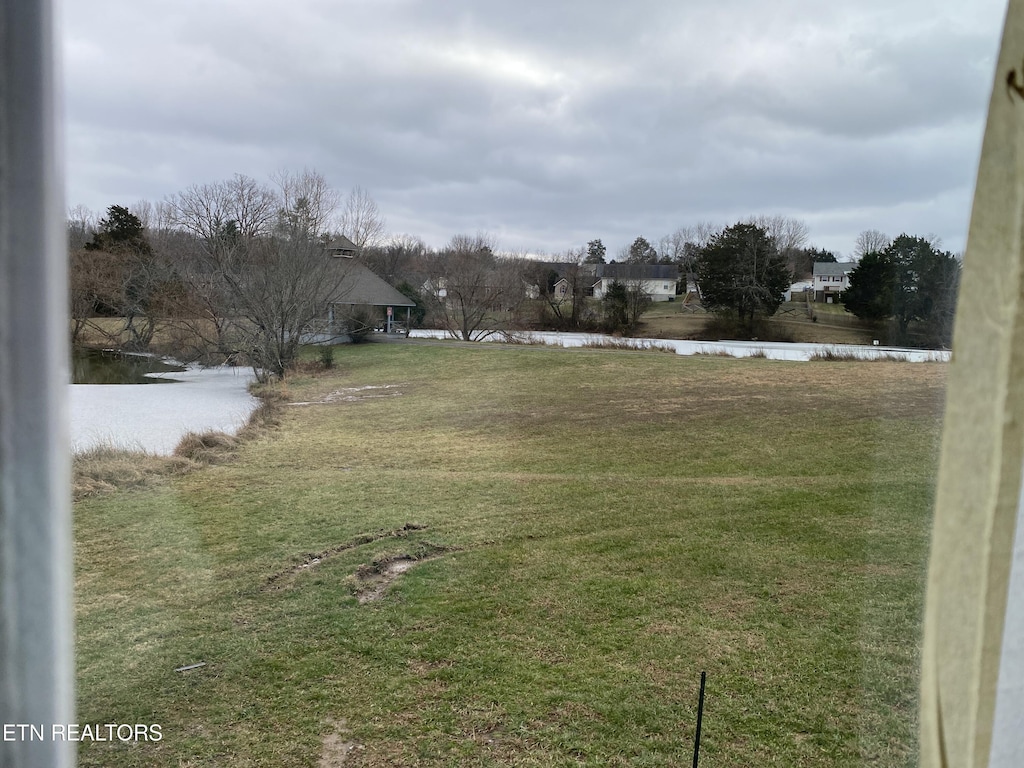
x=105 y=366
x=154 y=419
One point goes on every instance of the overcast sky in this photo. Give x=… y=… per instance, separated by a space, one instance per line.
x=546 y=124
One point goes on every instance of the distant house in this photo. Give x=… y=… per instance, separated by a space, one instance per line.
x=559 y=290
x=799 y=288
x=831 y=278
x=657 y=281
x=436 y=287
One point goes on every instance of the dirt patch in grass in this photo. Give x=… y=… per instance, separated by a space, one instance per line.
x=372 y=581
x=375 y=579
x=285 y=578
x=356 y=394
x=336 y=746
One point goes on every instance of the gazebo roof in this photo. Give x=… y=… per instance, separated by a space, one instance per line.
x=362 y=286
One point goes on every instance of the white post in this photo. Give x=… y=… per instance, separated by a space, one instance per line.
x=36 y=671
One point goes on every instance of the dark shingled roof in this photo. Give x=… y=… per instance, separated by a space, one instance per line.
x=638 y=271
x=362 y=286
x=342 y=244
x=833 y=268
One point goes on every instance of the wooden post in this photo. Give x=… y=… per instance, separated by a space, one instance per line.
x=978 y=499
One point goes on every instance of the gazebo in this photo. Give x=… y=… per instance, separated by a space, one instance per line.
x=364 y=288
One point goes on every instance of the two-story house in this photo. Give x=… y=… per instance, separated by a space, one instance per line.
x=830 y=279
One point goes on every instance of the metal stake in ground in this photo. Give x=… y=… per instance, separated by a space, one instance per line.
x=700 y=718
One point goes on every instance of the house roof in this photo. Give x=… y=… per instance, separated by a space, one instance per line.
x=833 y=268
x=362 y=286
x=343 y=244
x=638 y=271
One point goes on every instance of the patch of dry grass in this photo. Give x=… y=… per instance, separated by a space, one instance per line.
x=837 y=354
x=627 y=344
x=106 y=469
x=207 y=447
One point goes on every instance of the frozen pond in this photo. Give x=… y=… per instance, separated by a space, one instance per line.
x=154 y=419
x=773 y=350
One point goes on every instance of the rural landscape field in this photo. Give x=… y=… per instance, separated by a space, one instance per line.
x=458 y=555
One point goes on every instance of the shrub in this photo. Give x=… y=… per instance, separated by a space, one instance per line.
x=326 y=355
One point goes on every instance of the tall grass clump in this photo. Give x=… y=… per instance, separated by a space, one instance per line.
x=837 y=355
x=107 y=468
x=632 y=345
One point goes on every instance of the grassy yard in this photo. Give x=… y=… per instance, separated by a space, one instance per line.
x=581 y=532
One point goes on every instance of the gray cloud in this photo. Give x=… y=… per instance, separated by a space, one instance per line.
x=548 y=124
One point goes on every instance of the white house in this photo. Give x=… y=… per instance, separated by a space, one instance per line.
x=657 y=281
x=831 y=278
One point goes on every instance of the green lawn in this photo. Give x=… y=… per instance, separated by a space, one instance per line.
x=587 y=529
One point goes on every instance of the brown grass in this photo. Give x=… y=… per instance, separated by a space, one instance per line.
x=207 y=447
x=106 y=469
x=632 y=345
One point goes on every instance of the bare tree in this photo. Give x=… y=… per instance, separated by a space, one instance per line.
x=475 y=293
x=123 y=275
x=259 y=276
x=870 y=241
x=683 y=246
x=790 y=236
x=563 y=287
x=672 y=248
x=276 y=291
x=94 y=280
x=158 y=223
x=392 y=259
x=361 y=219
x=222 y=218
x=82 y=222
x=703 y=232
x=240 y=204
x=307 y=200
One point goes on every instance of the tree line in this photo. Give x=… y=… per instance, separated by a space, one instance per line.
x=240 y=270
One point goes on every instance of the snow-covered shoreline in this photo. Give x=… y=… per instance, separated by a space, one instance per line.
x=145 y=417
x=773 y=350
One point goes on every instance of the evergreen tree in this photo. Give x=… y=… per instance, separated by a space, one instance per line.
x=642 y=252
x=869 y=294
x=121 y=230
x=616 y=307
x=595 y=252
x=909 y=280
x=741 y=270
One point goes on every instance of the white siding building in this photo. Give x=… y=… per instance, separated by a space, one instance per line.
x=831 y=278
